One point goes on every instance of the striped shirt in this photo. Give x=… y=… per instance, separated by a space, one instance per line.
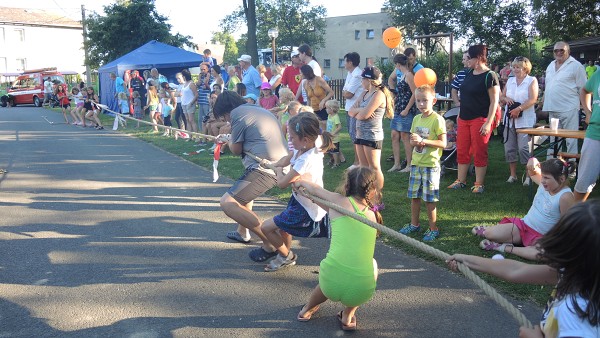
x=459 y=78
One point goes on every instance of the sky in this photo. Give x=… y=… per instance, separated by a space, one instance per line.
x=185 y=16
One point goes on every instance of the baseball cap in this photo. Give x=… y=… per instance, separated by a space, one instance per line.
x=251 y=96
x=265 y=85
x=294 y=53
x=245 y=58
x=371 y=73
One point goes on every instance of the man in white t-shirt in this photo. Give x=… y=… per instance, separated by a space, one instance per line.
x=306 y=56
x=565 y=77
x=47 y=91
x=351 y=91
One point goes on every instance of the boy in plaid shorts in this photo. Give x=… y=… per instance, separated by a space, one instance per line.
x=428 y=137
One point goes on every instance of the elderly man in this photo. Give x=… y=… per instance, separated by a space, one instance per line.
x=250 y=76
x=565 y=77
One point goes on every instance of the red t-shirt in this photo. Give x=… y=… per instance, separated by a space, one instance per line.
x=63 y=98
x=291 y=77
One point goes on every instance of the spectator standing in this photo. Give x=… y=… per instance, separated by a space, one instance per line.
x=318 y=93
x=291 y=74
x=565 y=77
x=250 y=77
x=233 y=78
x=351 y=92
x=203 y=85
x=590 y=69
x=179 y=116
x=458 y=80
x=275 y=80
x=47 y=91
x=306 y=56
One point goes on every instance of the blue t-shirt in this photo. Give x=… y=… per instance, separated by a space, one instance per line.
x=252 y=81
x=119 y=85
x=124 y=104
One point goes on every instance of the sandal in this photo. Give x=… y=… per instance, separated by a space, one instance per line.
x=260 y=254
x=307 y=314
x=488 y=245
x=281 y=262
x=478 y=231
x=457 y=185
x=237 y=237
x=347 y=327
x=477 y=188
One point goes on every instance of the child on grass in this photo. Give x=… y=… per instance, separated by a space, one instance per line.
x=301 y=217
x=348 y=273
x=123 y=105
x=428 y=139
x=570 y=254
x=334 y=126
x=138 y=113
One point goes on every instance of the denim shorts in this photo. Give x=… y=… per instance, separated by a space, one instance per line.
x=402 y=123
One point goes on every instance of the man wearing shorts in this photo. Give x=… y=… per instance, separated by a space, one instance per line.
x=254 y=130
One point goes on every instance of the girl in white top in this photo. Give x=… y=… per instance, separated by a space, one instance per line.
x=520 y=88
x=518 y=236
x=569 y=253
x=302 y=217
x=189 y=96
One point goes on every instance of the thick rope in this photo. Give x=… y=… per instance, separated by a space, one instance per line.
x=491 y=292
x=104 y=107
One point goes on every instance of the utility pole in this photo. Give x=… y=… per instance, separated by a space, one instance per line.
x=88 y=73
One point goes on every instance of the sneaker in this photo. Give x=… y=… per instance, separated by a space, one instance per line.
x=512 y=179
x=405 y=170
x=431 y=235
x=408 y=228
x=488 y=245
x=280 y=262
x=477 y=189
x=478 y=231
x=527 y=182
x=457 y=185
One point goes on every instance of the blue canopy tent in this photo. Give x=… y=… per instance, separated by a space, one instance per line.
x=167 y=59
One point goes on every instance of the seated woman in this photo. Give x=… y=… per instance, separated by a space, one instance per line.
x=553 y=198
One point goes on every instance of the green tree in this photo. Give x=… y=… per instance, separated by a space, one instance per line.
x=566 y=19
x=231 y=50
x=424 y=17
x=297 y=21
x=116 y=34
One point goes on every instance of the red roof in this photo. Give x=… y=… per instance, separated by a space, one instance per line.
x=35 y=17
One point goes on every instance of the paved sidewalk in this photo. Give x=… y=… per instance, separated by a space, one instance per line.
x=104 y=235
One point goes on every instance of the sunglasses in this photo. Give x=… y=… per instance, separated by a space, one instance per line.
x=559 y=51
x=520 y=58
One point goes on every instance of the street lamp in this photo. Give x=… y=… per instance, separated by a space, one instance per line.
x=273 y=34
x=530 y=41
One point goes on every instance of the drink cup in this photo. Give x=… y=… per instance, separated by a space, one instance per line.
x=553 y=124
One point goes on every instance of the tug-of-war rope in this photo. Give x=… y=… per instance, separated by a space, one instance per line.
x=490 y=291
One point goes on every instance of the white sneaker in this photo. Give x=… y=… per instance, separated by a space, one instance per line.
x=405 y=170
x=512 y=179
x=527 y=182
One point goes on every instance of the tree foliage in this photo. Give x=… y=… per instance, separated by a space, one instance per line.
x=566 y=19
x=231 y=49
x=126 y=26
x=298 y=22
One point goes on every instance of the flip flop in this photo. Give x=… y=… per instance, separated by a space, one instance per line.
x=308 y=314
x=349 y=327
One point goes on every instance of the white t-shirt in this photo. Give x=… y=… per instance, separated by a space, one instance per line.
x=353 y=85
x=563 y=86
x=78 y=98
x=47 y=86
x=520 y=93
x=316 y=68
x=561 y=320
x=545 y=210
x=309 y=166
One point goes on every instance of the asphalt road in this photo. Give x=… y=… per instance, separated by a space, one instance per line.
x=104 y=235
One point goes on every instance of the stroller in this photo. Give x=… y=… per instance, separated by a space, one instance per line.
x=448 y=160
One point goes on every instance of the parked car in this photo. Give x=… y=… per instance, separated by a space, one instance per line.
x=28 y=88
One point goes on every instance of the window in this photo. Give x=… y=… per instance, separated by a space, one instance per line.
x=327 y=63
x=342 y=63
x=370 y=34
x=369 y=62
x=385 y=61
x=20 y=35
x=21 y=64
x=356 y=35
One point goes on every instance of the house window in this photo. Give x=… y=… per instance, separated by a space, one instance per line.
x=21 y=64
x=342 y=63
x=385 y=61
x=356 y=35
x=327 y=63
x=20 y=35
x=370 y=34
x=369 y=61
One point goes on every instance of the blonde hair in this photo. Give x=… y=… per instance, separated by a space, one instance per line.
x=286 y=95
x=425 y=89
x=523 y=62
x=261 y=68
x=122 y=96
x=275 y=69
x=333 y=104
x=294 y=105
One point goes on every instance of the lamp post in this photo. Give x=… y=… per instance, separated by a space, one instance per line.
x=273 y=34
x=530 y=41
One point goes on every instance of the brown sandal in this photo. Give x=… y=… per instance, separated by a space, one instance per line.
x=307 y=314
x=347 y=327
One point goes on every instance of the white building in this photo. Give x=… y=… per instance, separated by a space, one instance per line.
x=31 y=39
x=354 y=33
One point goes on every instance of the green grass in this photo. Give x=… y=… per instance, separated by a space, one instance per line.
x=458 y=210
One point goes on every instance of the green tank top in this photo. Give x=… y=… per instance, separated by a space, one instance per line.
x=352 y=243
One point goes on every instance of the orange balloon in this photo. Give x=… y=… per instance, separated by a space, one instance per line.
x=425 y=76
x=391 y=37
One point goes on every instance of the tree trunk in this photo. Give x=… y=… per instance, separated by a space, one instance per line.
x=251 y=46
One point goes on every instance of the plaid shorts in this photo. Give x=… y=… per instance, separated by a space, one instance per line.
x=424 y=183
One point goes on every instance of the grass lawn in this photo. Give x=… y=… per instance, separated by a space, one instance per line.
x=458 y=210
